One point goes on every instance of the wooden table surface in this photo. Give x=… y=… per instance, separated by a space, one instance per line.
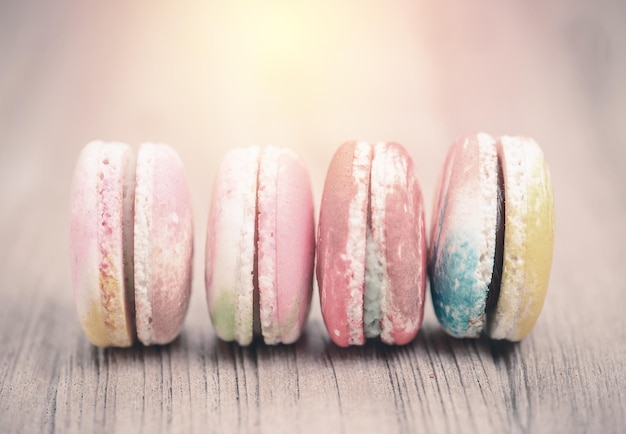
x=208 y=76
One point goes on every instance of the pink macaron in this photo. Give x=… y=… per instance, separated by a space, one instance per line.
x=371 y=257
x=131 y=243
x=260 y=246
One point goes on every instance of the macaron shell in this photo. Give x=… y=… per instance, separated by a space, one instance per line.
x=462 y=247
x=267 y=227
x=528 y=239
x=286 y=245
x=397 y=225
x=163 y=239
x=295 y=245
x=97 y=243
x=341 y=243
x=230 y=246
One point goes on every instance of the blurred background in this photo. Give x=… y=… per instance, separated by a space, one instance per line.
x=206 y=76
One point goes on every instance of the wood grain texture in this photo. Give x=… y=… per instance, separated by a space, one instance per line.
x=73 y=71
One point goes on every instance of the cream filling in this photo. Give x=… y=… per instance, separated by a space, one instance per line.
x=356 y=244
x=244 y=303
x=488 y=185
x=128 y=235
x=266 y=248
x=376 y=291
x=374 y=277
x=143 y=203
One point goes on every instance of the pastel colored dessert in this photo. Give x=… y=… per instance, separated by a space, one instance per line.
x=260 y=246
x=492 y=237
x=371 y=257
x=131 y=243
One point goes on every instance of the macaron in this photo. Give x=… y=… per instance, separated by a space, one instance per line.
x=131 y=243
x=371 y=249
x=492 y=237
x=260 y=246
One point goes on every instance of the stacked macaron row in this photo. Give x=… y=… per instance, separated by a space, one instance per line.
x=488 y=261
